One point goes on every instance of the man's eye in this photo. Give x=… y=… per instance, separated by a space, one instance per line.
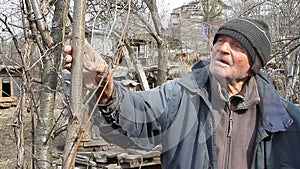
x=220 y=41
x=238 y=46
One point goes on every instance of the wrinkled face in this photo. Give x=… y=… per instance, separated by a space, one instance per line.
x=229 y=59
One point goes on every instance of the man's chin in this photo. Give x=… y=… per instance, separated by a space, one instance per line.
x=219 y=72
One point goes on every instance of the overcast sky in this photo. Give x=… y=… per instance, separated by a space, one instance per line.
x=177 y=3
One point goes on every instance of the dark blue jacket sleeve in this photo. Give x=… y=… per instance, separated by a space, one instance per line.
x=137 y=119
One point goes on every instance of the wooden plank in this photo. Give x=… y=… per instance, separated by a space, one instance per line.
x=150 y=158
x=100 y=157
x=9 y=99
x=115 y=158
x=142 y=77
x=139 y=71
x=133 y=159
x=95 y=143
x=151 y=154
x=141 y=163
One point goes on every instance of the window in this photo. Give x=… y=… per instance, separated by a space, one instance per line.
x=6 y=89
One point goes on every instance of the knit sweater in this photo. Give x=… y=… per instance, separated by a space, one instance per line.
x=236 y=122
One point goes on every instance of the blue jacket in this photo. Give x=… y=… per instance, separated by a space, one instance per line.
x=178 y=116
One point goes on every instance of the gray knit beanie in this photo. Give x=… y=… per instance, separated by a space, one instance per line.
x=252 y=34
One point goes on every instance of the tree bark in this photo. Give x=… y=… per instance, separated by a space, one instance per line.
x=162 y=57
x=292 y=76
x=74 y=125
x=45 y=119
x=19 y=130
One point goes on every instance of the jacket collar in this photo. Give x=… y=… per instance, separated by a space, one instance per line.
x=201 y=73
x=274 y=115
x=198 y=78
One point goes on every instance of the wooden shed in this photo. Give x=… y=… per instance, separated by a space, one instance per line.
x=10 y=82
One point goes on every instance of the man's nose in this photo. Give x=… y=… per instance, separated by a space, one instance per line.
x=225 y=47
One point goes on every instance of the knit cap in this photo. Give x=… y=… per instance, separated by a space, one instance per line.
x=252 y=34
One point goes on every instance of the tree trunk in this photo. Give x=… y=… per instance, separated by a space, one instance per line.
x=45 y=120
x=162 y=64
x=162 y=58
x=292 y=75
x=19 y=130
x=74 y=125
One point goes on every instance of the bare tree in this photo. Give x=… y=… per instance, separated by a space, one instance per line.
x=161 y=42
x=211 y=11
x=74 y=126
x=286 y=38
x=50 y=48
x=140 y=22
x=18 y=123
x=48 y=44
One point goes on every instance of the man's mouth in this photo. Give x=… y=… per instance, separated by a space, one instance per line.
x=224 y=61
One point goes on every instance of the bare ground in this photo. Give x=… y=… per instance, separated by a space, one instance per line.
x=8 y=149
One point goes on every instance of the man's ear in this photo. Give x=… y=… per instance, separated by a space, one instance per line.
x=256 y=66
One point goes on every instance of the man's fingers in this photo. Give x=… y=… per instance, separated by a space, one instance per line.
x=68 y=65
x=68 y=49
x=102 y=67
x=68 y=61
x=70 y=35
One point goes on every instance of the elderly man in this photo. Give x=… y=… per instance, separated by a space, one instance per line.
x=223 y=114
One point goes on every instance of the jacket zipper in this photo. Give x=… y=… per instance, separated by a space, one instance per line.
x=228 y=142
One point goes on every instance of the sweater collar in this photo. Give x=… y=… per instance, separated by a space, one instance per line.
x=245 y=99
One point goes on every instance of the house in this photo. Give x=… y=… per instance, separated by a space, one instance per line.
x=10 y=81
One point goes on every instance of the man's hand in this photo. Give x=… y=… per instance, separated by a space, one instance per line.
x=95 y=70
